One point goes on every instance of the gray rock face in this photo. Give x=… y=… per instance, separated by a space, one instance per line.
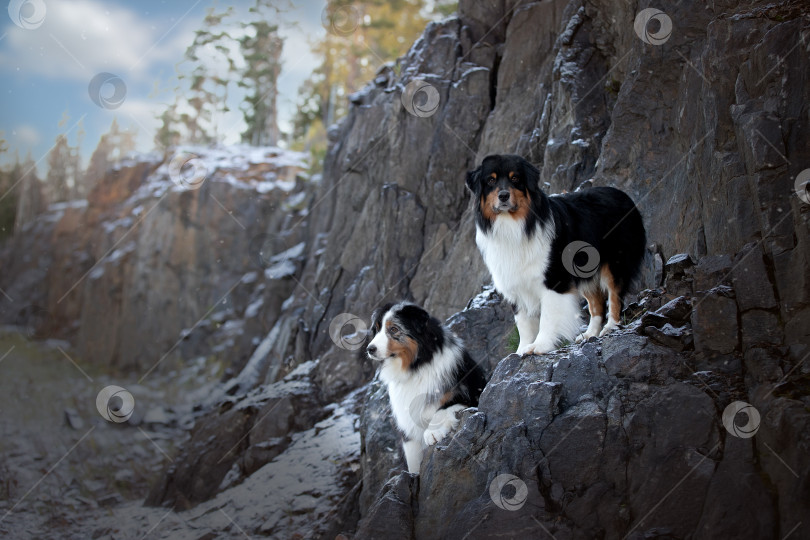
x=392 y=514
x=237 y=438
x=692 y=129
x=617 y=437
x=192 y=269
x=485 y=326
x=716 y=328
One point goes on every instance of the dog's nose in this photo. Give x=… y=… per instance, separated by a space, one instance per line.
x=503 y=195
x=371 y=349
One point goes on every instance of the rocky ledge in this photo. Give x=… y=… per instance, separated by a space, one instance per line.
x=629 y=436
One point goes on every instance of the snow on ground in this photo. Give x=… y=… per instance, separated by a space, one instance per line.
x=223 y=165
x=293 y=496
x=99 y=471
x=482 y=299
x=61 y=463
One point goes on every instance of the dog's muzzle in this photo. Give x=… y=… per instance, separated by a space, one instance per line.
x=371 y=352
x=504 y=203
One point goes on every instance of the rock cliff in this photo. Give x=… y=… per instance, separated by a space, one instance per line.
x=194 y=251
x=701 y=130
x=628 y=436
x=624 y=436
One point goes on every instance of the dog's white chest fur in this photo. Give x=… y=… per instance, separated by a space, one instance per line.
x=409 y=405
x=415 y=401
x=517 y=263
x=416 y=395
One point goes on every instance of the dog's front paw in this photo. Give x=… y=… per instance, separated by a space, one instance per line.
x=585 y=336
x=441 y=424
x=536 y=348
x=609 y=327
x=435 y=434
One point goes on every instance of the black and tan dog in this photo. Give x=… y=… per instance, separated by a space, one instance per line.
x=429 y=374
x=545 y=251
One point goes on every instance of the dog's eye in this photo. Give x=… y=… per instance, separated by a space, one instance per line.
x=515 y=178
x=393 y=330
x=491 y=181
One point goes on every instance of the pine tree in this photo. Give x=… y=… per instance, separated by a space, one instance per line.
x=8 y=197
x=207 y=93
x=8 y=201
x=57 y=181
x=111 y=148
x=168 y=135
x=361 y=37
x=63 y=181
x=261 y=48
x=30 y=197
x=74 y=168
x=226 y=56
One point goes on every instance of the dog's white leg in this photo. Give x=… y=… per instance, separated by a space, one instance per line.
x=559 y=320
x=611 y=325
x=528 y=327
x=413 y=454
x=596 y=307
x=594 y=326
x=443 y=421
x=614 y=301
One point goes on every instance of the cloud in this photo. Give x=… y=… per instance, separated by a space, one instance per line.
x=25 y=135
x=81 y=38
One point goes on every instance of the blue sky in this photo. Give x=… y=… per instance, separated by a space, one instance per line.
x=45 y=70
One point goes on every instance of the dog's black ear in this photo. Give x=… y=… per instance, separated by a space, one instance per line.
x=434 y=332
x=474 y=179
x=416 y=316
x=376 y=319
x=377 y=316
x=425 y=330
x=531 y=174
